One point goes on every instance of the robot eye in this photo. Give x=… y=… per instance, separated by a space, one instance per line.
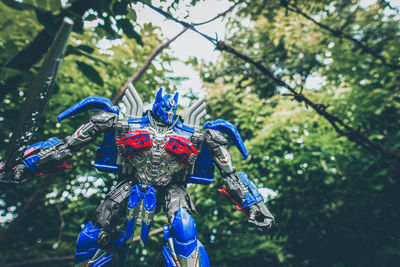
x=165 y=108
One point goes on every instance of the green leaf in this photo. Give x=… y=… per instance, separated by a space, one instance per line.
x=86 y=48
x=100 y=32
x=72 y=50
x=90 y=72
x=132 y=14
x=91 y=17
x=127 y=27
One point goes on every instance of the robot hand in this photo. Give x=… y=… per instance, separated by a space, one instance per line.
x=260 y=217
x=12 y=176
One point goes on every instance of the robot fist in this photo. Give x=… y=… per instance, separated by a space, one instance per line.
x=260 y=217
x=12 y=176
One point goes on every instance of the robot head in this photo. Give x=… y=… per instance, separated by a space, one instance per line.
x=164 y=107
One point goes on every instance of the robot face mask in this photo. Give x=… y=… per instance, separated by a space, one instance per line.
x=164 y=107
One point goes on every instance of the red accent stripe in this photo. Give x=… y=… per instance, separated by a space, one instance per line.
x=228 y=196
x=29 y=151
x=134 y=141
x=181 y=147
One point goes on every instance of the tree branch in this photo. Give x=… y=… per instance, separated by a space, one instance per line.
x=341 y=34
x=136 y=76
x=387 y=4
x=343 y=129
x=222 y=14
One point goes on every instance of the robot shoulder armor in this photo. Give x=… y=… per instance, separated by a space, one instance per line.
x=215 y=137
x=104 y=118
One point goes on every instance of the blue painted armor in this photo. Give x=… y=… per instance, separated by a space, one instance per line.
x=86 y=245
x=185 y=233
x=91 y=102
x=146 y=195
x=165 y=106
x=203 y=168
x=253 y=196
x=183 y=242
x=232 y=132
x=106 y=154
x=138 y=123
x=30 y=161
x=183 y=129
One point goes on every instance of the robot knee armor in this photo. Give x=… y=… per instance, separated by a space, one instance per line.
x=184 y=232
x=86 y=245
x=182 y=247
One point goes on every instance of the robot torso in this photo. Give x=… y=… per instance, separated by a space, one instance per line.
x=156 y=152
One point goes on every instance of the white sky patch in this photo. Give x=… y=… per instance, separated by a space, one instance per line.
x=289 y=156
x=5 y=218
x=268 y=194
x=190 y=44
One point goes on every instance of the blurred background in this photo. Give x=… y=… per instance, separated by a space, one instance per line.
x=336 y=197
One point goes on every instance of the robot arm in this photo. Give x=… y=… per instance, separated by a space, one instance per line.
x=239 y=189
x=50 y=156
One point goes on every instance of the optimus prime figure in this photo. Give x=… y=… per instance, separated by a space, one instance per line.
x=155 y=154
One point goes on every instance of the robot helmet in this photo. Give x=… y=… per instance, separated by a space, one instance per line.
x=164 y=107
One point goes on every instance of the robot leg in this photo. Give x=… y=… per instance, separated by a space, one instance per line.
x=181 y=245
x=182 y=248
x=102 y=244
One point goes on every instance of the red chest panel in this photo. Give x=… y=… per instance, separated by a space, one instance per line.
x=134 y=141
x=181 y=148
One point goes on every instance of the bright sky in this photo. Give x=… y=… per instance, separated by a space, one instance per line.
x=190 y=44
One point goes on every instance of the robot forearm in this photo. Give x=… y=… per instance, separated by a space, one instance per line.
x=239 y=189
x=246 y=198
x=48 y=156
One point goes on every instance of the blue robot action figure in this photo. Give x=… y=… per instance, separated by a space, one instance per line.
x=155 y=154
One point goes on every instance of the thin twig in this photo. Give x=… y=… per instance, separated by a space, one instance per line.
x=183 y=23
x=154 y=232
x=389 y=5
x=343 y=129
x=341 y=34
x=60 y=214
x=218 y=15
x=136 y=76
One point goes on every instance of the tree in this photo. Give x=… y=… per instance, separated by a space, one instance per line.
x=336 y=203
